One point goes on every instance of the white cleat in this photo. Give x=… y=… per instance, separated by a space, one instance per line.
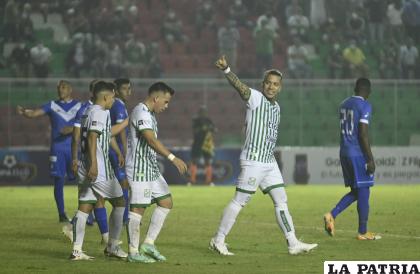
x=78 y=255
x=67 y=231
x=116 y=252
x=301 y=247
x=221 y=248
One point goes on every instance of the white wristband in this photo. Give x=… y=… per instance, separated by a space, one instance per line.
x=171 y=157
x=226 y=70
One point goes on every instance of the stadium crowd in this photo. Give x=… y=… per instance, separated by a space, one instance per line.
x=144 y=38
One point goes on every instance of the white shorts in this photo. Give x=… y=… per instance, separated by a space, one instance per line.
x=88 y=191
x=144 y=194
x=256 y=174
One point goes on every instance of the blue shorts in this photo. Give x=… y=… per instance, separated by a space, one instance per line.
x=354 y=172
x=119 y=171
x=60 y=162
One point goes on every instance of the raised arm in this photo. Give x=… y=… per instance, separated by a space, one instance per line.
x=243 y=90
x=30 y=113
x=365 y=146
x=157 y=146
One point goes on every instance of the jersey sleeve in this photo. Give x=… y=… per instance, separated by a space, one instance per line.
x=78 y=117
x=254 y=99
x=142 y=121
x=366 y=112
x=97 y=121
x=46 y=108
x=120 y=114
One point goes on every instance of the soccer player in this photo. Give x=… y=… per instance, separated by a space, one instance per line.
x=356 y=159
x=258 y=165
x=119 y=114
x=146 y=183
x=203 y=146
x=96 y=179
x=62 y=113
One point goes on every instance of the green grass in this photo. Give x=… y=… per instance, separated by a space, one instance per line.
x=31 y=241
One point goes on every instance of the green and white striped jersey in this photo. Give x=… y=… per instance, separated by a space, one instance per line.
x=262 y=120
x=97 y=119
x=141 y=164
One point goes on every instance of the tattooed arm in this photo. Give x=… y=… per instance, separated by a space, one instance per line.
x=243 y=90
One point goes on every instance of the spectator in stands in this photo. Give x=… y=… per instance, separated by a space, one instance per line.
x=387 y=60
x=228 y=38
x=264 y=45
x=204 y=18
x=40 y=57
x=337 y=10
x=119 y=26
x=135 y=56
x=20 y=61
x=154 y=65
x=318 y=13
x=99 y=53
x=408 y=59
x=77 y=56
x=273 y=24
x=330 y=31
x=335 y=62
x=26 y=27
x=172 y=29
x=395 y=23
x=240 y=13
x=114 y=61
x=356 y=28
x=11 y=21
x=297 y=59
x=411 y=19
x=298 y=24
x=354 y=58
x=376 y=10
x=76 y=22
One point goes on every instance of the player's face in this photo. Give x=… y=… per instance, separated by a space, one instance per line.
x=109 y=98
x=271 y=86
x=64 y=91
x=125 y=91
x=162 y=101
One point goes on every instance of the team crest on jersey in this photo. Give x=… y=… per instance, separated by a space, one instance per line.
x=94 y=123
x=252 y=181
x=147 y=193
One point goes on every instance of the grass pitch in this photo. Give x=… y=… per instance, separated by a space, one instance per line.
x=31 y=241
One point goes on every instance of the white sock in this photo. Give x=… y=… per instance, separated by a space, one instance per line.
x=79 y=224
x=228 y=220
x=115 y=226
x=284 y=220
x=156 y=223
x=133 y=228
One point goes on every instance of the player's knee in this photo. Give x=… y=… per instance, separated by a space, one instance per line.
x=279 y=197
x=241 y=198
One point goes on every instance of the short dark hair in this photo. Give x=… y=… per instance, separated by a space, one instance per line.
x=121 y=81
x=273 y=72
x=161 y=86
x=101 y=86
x=362 y=84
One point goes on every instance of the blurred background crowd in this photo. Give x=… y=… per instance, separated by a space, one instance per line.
x=156 y=38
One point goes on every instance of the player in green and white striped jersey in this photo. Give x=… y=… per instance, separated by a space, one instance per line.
x=258 y=165
x=146 y=183
x=96 y=177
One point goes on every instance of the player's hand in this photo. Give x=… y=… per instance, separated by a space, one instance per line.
x=221 y=63
x=370 y=167
x=20 y=110
x=93 y=173
x=121 y=161
x=74 y=167
x=180 y=165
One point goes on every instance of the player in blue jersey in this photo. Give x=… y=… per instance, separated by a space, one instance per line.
x=61 y=113
x=119 y=115
x=356 y=159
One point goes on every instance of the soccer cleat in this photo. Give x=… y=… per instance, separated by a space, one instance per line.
x=67 y=231
x=368 y=236
x=151 y=251
x=140 y=258
x=62 y=218
x=329 y=224
x=301 y=247
x=221 y=248
x=116 y=252
x=78 y=255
